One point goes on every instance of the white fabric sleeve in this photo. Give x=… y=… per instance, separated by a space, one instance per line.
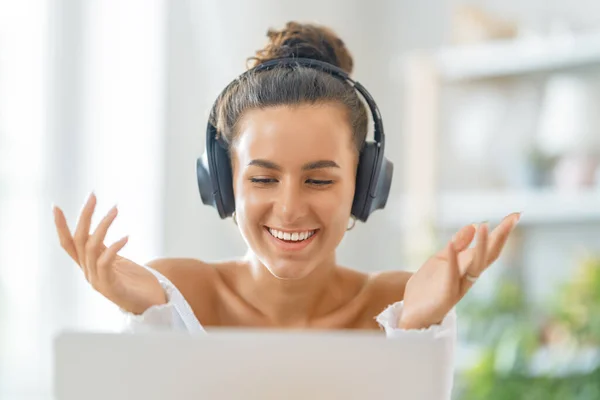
x=175 y=315
x=444 y=334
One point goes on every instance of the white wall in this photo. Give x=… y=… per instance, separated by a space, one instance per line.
x=80 y=109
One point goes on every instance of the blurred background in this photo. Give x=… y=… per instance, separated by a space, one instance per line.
x=490 y=107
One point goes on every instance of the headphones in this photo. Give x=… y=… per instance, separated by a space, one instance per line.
x=374 y=171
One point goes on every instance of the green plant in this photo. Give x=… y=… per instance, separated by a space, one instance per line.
x=485 y=383
x=505 y=326
x=578 y=305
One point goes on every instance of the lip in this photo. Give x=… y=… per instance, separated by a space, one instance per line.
x=290 y=246
x=290 y=230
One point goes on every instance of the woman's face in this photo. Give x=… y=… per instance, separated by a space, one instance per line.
x=294 y=171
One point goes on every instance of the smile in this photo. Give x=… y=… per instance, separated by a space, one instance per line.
x=297 y=236
x=291 y=241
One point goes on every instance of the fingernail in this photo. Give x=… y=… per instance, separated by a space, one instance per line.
x=516 y=221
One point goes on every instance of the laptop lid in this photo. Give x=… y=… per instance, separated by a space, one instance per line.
x=241 y=364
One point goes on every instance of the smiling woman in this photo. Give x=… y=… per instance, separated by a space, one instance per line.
x=287 y=158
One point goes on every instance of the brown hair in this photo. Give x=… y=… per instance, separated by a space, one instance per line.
x=295 y=85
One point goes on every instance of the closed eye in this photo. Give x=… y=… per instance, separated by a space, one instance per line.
x=315 y=182
x=263 y=180
x=319 y=182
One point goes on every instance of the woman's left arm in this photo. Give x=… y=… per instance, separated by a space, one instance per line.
x=427 y=310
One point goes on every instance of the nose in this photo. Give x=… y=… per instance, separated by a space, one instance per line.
x=291 y=203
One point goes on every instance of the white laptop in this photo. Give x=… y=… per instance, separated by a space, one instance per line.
x=246 y=365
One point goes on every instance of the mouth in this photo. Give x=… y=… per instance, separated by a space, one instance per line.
x=291 y=240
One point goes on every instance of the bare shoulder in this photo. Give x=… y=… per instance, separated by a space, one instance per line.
x=387 y=287
x=390 y=281
x=183 y=270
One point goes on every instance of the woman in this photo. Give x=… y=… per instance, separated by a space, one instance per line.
x=294 y=136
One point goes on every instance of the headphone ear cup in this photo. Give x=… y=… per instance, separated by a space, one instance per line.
x=207 y=191
x=379 y=196
x=223 y=176
x=364 y=172
x=372 y=189
x=215 y=179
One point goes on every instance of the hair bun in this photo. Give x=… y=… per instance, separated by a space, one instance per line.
x=304 y=41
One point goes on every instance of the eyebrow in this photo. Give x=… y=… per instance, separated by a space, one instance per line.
x=306 y=167
x=319 y=165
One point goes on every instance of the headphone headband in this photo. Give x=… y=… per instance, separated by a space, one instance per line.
x=378 y=133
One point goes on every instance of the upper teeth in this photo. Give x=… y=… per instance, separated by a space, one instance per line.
x=294 y=236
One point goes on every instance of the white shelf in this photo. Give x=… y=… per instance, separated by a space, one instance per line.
x=515 y=57
x=423 y=74
x=538 y=207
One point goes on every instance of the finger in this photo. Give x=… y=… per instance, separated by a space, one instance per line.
x=499 y=236
x=479 y=264
x=464 y=237
x=82 y=231
x=497 y=239
x=95 y=243
x=465 y=258
x=453 y=261
x=64 y=233
x=107 y=258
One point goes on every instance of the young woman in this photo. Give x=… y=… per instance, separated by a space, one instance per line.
x=295 y=136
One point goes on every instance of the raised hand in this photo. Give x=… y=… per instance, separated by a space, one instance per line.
x=127 y=284
x=445 y=278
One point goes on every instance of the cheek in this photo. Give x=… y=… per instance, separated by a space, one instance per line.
x=249 y=202
x=335 y=206
x=252 y=204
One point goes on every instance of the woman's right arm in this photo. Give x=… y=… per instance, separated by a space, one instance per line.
x=149 y=300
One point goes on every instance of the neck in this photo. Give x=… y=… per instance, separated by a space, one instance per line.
x=292 y=302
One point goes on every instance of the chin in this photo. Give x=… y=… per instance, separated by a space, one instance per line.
x=288 y=261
